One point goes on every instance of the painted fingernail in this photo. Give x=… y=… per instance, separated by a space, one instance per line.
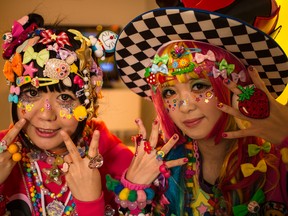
x=155 y=122
x=175 y=136
x=137 y=121
x=185 y=160
x=224 y=134
x=227 y=81
x=251 y=68
x=219 y=104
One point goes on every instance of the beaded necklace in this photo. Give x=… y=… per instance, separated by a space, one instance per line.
x=32 y=169
x=197 y=201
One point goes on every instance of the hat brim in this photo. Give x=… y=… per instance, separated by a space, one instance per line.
x=140 y=39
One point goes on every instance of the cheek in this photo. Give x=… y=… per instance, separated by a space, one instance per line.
x=170 y=105
x=25 y=109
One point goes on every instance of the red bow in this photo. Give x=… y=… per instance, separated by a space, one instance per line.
x=49 y=36
x=77 y=80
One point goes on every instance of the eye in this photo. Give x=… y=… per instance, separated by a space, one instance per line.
x=30 y=92
x=65 y=98
x=200 y=86
x=167 y=93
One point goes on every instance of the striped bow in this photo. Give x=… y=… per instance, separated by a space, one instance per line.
x=49 y=36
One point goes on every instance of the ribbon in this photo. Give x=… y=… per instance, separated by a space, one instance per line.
x=240 y=76
x=162 y=69
x=224 y=65
x=77 y=80
x=248 y=168
x=254 y=149
x=164 y=59
x=200 y=57
x=49 y=36
x=14 y=90
x=13 y=98
x=217 y=73
x=14 y=66
x=242 y=210
x=64 y=54
x=41 y=57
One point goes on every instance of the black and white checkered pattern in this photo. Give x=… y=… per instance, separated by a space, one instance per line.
x=141 y=38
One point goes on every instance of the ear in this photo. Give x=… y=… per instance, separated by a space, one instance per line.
x=242 y=124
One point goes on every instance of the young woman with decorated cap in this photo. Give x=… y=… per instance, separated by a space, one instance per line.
x=186 y=61
x=55 y=156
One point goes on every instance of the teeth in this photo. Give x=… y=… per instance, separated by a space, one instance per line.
x=45 y=130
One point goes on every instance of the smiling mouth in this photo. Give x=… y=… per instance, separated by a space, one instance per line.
x=46 y=132
x=192 y=122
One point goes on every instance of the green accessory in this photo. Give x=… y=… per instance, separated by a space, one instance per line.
x=164 y=59
x=254 y=149
x=225 y=66
x=247 y=92
x=242 y=210
x=180 y=71
x=111 y=183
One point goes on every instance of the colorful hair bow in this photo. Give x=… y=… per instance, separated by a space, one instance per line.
x=14 y=90
x=164 y=59
x=13 y=98
x=14 y=66
x=49 y=36
x=254 y=149
x=41 y=57
x=240 y=76
x=200 y=57
x=162 y=69
x=217 y=73
x=225 y=66
x=248 y=168
x=79 y=81
x=64 y=54
x=242 y=210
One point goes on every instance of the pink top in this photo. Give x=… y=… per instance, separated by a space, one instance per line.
x=117 y=158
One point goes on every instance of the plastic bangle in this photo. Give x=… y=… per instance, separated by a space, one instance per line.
x=131 y=185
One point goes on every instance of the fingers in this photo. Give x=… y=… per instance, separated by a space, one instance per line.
x=154 y=133
x=141 y=128
x=232 y=86
x=232 y=111
x=71 y=147
x=178 y=162
x=172 y=141
x=93 y=148
x=14 y=131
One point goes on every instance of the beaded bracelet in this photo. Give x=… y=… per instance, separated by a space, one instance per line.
x=129 y=198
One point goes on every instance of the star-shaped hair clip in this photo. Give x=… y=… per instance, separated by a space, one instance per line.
x=54 y=174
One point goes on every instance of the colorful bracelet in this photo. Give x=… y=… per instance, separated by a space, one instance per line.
x=129 y=198
x=131 y=185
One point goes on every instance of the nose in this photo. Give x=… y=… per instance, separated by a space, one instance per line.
x=186 y=103
x=47 y=112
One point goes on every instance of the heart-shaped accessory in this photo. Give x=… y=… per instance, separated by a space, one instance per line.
x=253 y=102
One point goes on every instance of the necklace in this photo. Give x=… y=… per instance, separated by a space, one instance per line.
x=54 y=208
x=197 y=201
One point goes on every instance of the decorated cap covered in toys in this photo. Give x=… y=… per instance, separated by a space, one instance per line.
x=45 y=58
x=140 y=40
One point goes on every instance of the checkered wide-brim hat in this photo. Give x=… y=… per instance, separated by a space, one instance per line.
x=141 y=38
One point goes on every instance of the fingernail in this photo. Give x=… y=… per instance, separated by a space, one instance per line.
x=137 y=121
x=175 y=136
x=185 y=160
x=224 y=134
x=219 y=104
x=227 y=81
x=155 y=122
x=251 y=68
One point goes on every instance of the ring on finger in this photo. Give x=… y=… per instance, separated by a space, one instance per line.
x=160 y=155
x=95 y=162
x=147 y=147
x=3 y=146
x=164 y=170
x=66 y=166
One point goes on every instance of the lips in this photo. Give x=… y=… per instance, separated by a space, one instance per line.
x=192 y=122
x=47 y=133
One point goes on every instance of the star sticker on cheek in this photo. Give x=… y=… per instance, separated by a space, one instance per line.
x=54 y=174
x=30 y=69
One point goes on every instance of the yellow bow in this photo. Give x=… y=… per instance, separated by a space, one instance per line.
x=13 y=67
x=248 y=168
x=41 y=57
x=284 y=153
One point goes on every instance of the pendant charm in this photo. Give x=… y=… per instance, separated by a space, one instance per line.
x=54 y=174
x=55 y=208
